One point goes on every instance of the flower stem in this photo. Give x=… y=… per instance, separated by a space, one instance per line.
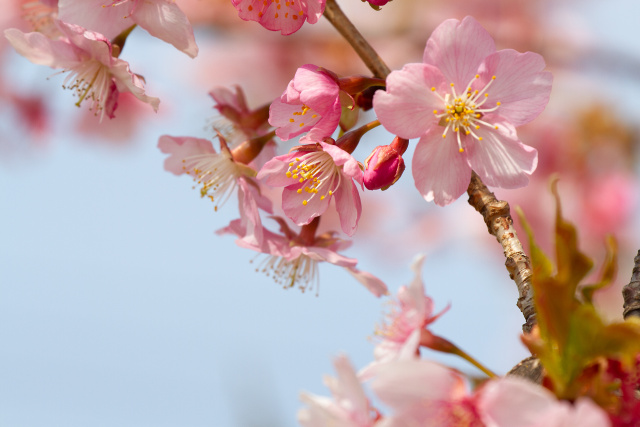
x=370 y=57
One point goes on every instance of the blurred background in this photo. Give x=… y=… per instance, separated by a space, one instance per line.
x=120 y=306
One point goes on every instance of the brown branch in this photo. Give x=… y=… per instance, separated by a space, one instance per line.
x=370 y=57
x=631 y=291
x=497 y=216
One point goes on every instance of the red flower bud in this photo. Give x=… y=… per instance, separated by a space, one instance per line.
x=383 y=168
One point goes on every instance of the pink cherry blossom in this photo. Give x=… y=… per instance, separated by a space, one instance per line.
x=311 y=104
x=94 y=74
x=237 y=122
x=161 y=18
x=292 y=259
x=312 y=175
x=463 y=103
x=286 y=17
x=349 y=406
x=424 y=393
x=410 y=314
x=219 y=175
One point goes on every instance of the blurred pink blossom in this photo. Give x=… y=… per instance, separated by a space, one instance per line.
x=286 y=17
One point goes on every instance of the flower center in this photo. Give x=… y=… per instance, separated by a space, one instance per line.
x=311 y=118
x=317 y=171
x=215 y=172
x=90 y=80
x=463 y=113
x=302 y=271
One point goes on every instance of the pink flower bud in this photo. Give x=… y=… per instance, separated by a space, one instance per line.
x=384 y=167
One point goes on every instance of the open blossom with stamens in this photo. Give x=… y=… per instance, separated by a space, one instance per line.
x=311 y=103
x=401 y=332
x=312 y=175
x=463 y=103
x=218 y=174
x=161 y=18
x=94 y=74
x=292 y=259
x=286 y=16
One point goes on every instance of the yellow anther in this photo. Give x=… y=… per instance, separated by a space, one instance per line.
x=451 y=84
x=486 y=95
x=498 y=103
x=493 y=78
x=467 y=132
x=295 y=176
x=314 y=116
x=291 y=164
x=435 y=111
x=461 y=150
x=297 y=159
x=276 y=16
x=301 y=179
x=299 y=191
x=496 y=127
x=433 y=89
x=288 y=174
x=321 y=197
x=291 y=120
x=477 y=127
x=479 y=138
x=304 y=202
x=477 y=76
x=444 y=135
x=301 y=124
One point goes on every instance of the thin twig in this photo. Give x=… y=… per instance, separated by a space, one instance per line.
x=369 y=56
x=631 y=291
x=497 y=216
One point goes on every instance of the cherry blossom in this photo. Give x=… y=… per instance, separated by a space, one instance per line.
x=349 y=406
x=410 y=314
x=312 y=175
x=311 y=103
x=161 y=18
x=463 y=103
x=94 y=73
x=292 y=258
x=284 y=16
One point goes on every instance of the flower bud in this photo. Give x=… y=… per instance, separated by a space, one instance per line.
x=383 y=168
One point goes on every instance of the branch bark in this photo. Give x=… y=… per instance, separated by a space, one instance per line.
x=369 y=56
x=497 y=217
x=631 y=291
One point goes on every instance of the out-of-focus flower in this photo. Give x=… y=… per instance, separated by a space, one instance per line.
x=410 y=314
x=292 y=258
x=427 y=394
x=42 y=14
x=463 y=103
x=94 y=74
x=286 y=17
x=310 y=104
x=349 y=406
x=312 y=174
x=161 y=18
x=237 y=122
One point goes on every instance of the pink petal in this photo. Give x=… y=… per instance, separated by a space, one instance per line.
x=313 y=9
x=94 y=16
x=249 y=10
x=249 y=201
x=371 y=282
x=318 y=89
x=181 y=147
x=323 y=254
x=298 y=212
x=457 y=49
x=274 y=172
x=287 y=20
x=129 y=82
x=500 y=159
x=41 y=50
x=280 y=114
x=513 y=402
x=348 y=205
x=164 y=19
x=521 y=85
x=350 y=166
x=406 y=107
x=440 y=171
x=404 y=383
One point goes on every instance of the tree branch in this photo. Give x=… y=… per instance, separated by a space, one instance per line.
x=631 y=291
x=497 y=217
x=370 y=57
